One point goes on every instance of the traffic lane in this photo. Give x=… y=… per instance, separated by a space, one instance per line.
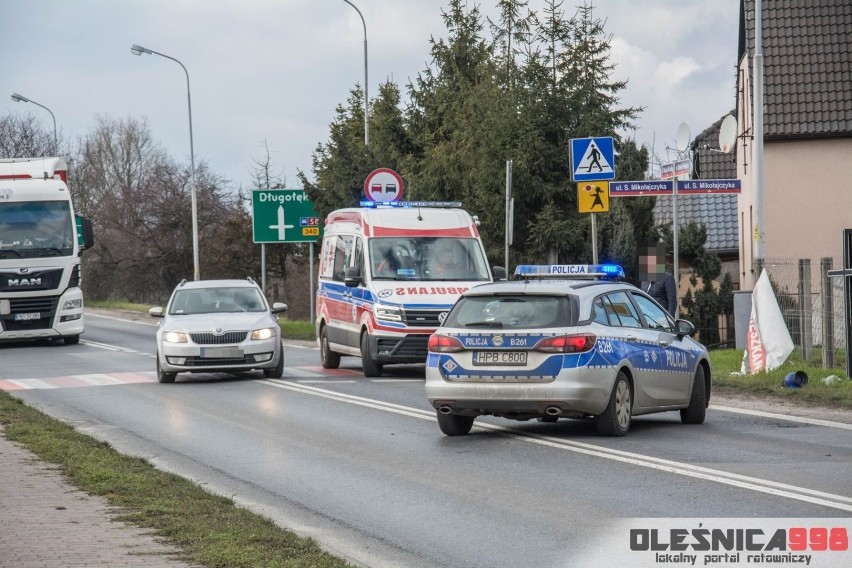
x=105 y=329
x=783 y=451
x=480 y=500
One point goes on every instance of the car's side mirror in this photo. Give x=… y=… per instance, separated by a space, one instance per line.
x=352 y=276
x=156 y=312
x=499 y=272
x=684 y=328
x=278 y=307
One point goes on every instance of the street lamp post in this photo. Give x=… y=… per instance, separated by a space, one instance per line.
x=22 y=99
x=139 y=50
x=366 y=96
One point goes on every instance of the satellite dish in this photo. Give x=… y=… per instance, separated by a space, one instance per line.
x=682 y=137
x=728 y=134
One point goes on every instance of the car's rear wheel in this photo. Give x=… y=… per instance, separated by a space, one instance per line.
x=697 y=409
x=370 y=366
x=162 y=376
x=548 y=418
x=455 y=425
x=329 y=358
x=278 y=370
x=615 y=420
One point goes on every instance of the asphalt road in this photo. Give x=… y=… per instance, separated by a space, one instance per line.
x=361 y=465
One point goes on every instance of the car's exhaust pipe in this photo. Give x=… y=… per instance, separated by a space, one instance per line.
x=445 y=409
x=553 y=411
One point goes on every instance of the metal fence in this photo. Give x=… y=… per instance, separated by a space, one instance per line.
x=812 y=305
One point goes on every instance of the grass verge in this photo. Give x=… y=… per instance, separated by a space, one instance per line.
x=213 y=531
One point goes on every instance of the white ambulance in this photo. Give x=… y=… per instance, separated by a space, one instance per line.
x=389 y=275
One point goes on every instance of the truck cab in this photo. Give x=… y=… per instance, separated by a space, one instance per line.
x=41 y=240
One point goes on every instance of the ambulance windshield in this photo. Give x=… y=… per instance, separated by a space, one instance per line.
x=427 y=258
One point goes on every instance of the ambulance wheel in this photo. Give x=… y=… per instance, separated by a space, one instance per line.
x=329 y=359
x=370 y=366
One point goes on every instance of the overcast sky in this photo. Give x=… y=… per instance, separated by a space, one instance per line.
x=274 y=70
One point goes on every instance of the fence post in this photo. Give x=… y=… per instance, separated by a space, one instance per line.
x=827 y=291
x=806 y=340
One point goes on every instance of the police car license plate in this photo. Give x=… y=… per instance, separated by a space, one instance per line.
x=499 y=357
x=27 y=316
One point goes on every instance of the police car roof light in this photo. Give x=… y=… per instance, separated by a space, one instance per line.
x=570 y=271
x=409 y=204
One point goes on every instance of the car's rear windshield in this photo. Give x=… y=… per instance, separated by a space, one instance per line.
x=217 y=300
x=512 y=311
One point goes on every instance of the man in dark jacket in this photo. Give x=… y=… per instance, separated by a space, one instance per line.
x=655 y=281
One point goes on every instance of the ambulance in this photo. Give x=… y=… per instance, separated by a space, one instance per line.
x=388 y=276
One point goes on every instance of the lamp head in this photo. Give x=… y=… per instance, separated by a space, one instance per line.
x=19 y=98
x=139 y=50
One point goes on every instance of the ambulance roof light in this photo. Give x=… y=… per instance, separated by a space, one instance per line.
x=366 y=203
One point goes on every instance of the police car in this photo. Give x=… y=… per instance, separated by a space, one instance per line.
x=568 y=341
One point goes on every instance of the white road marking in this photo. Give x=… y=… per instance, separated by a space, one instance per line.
x=800 y=419
x=777 y=489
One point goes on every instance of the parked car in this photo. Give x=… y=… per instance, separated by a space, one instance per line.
x=581 y=345
x=218 y=325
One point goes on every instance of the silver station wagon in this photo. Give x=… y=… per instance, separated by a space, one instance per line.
x=218 y=326
x=568 y=341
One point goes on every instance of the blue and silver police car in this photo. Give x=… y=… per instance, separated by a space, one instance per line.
x=572 y=341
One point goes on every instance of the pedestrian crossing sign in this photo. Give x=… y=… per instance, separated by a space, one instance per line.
x=593 y=197
x=592 y=159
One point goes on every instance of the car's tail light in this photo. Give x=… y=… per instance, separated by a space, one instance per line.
x=566 y=343
x=444 y=344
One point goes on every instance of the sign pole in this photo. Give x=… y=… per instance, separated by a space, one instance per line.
x=263 y=267
x=676 y=257
x=311 y=273
x=508 y=212
x=594 y=240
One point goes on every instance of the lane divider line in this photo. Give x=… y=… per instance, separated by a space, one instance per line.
x=840 y=502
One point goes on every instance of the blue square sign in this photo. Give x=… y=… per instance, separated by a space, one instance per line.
x=592 y=159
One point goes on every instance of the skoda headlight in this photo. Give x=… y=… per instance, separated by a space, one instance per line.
x=72 y=304
x=390 y=313
x=265 y=333
x=174 y=337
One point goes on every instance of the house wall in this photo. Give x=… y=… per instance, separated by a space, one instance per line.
x=807 y=199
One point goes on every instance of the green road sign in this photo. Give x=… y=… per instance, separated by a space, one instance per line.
x=284 y=216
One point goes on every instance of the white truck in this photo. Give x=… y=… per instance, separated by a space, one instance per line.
x=389 y=275
x=41 y=240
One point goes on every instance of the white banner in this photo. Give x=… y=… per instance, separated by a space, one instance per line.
x=768 y=343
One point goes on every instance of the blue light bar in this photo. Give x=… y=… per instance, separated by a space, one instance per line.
x=569 y=271
x=408 y=204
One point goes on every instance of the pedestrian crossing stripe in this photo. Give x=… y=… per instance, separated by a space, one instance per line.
x=111 y=379
x=593 y=159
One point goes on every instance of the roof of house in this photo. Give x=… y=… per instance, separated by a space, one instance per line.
x=718 y=213
x=807 y=54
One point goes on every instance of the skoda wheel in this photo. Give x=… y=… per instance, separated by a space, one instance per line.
x=455 y=425
x=278 y=370
x=163 y=376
